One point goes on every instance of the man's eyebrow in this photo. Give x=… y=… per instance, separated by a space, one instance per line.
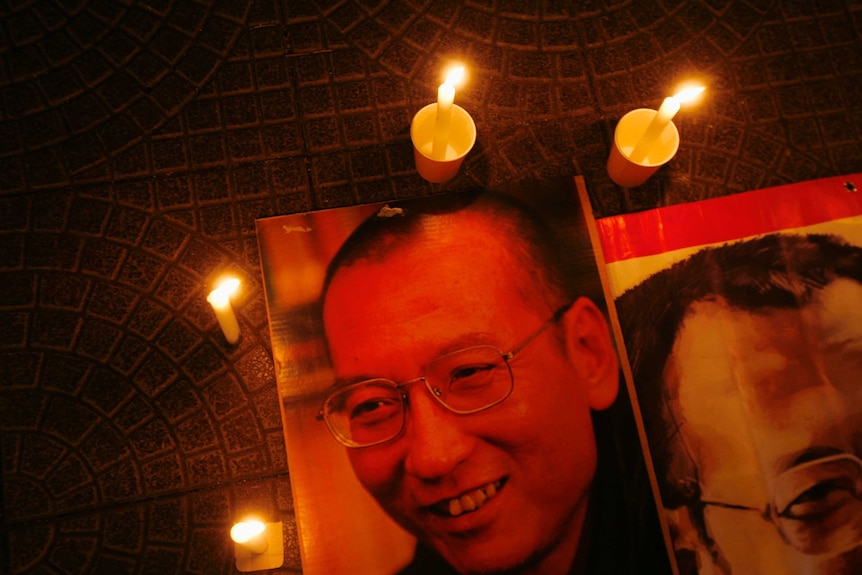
x=471 y=339
x=463 y=341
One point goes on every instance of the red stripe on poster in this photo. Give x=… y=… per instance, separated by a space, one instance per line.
x=730 y=217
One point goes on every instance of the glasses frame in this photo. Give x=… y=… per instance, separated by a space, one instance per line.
x=433 y=391
x=769 y=512
x=697 y=503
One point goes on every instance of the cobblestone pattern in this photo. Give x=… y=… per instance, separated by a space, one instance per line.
x=140 y=139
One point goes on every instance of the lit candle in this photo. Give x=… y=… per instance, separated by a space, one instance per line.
x=669 y=107
x=445 y=101
x=219 y=298
x=250 y=534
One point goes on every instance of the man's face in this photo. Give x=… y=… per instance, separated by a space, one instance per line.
x=535 y=452
x=760 y=394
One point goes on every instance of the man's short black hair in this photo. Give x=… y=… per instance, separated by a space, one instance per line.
x=538 y=263
x=779 y=270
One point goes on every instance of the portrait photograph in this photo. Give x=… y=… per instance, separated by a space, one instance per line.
x=452 y=396
x=741 y=320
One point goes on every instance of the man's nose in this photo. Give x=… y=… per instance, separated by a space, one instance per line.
x=436 y=439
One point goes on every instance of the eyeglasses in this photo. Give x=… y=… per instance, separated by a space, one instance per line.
x=467 y=381
x=816 y=506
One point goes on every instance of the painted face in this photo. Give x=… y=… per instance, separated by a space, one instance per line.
x=526 y=464
x=772 y=409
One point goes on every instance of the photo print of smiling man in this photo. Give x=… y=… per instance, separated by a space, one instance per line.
x=451 y=390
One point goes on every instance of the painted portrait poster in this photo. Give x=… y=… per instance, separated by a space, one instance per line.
x=741 y=318
x=452 y=396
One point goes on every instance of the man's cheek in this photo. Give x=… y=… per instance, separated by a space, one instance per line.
x=376 y=470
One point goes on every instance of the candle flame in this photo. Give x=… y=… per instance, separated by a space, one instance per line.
x=221 y=294
x=688 y=94
x=245 y=530
x=455 y=76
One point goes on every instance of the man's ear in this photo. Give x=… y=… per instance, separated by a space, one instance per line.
x=591 y=350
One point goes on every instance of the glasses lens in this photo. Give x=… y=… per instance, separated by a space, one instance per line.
x=470 y=380
x=818 y=505
x=365 y=413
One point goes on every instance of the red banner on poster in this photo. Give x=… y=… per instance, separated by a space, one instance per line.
x=730 y=217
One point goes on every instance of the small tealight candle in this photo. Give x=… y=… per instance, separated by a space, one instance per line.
x=445 y=101
x=219 y=298
x=669 y=108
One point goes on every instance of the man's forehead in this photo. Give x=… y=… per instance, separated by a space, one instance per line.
x=441 y=242
x=725 y=349
x=833 y=313
x=438 y=263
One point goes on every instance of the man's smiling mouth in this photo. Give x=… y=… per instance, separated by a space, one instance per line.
x=468 y=502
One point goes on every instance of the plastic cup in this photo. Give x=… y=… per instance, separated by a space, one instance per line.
x=462 y=137
x=622 y=170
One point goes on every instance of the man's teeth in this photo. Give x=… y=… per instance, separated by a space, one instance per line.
x=472 y=501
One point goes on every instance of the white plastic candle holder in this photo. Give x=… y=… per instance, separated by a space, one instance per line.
x=258 y=546
x=631 y=127
x=462 y=137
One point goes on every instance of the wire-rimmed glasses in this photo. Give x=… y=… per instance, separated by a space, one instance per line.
x=373 y=411
x=816 y=506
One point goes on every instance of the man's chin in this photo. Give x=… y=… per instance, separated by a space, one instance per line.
x=498 y=557
x=488 y=566
x=491 y=541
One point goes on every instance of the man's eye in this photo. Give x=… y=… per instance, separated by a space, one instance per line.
x=471 y=376
x=821 y=499
x=374 y=410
